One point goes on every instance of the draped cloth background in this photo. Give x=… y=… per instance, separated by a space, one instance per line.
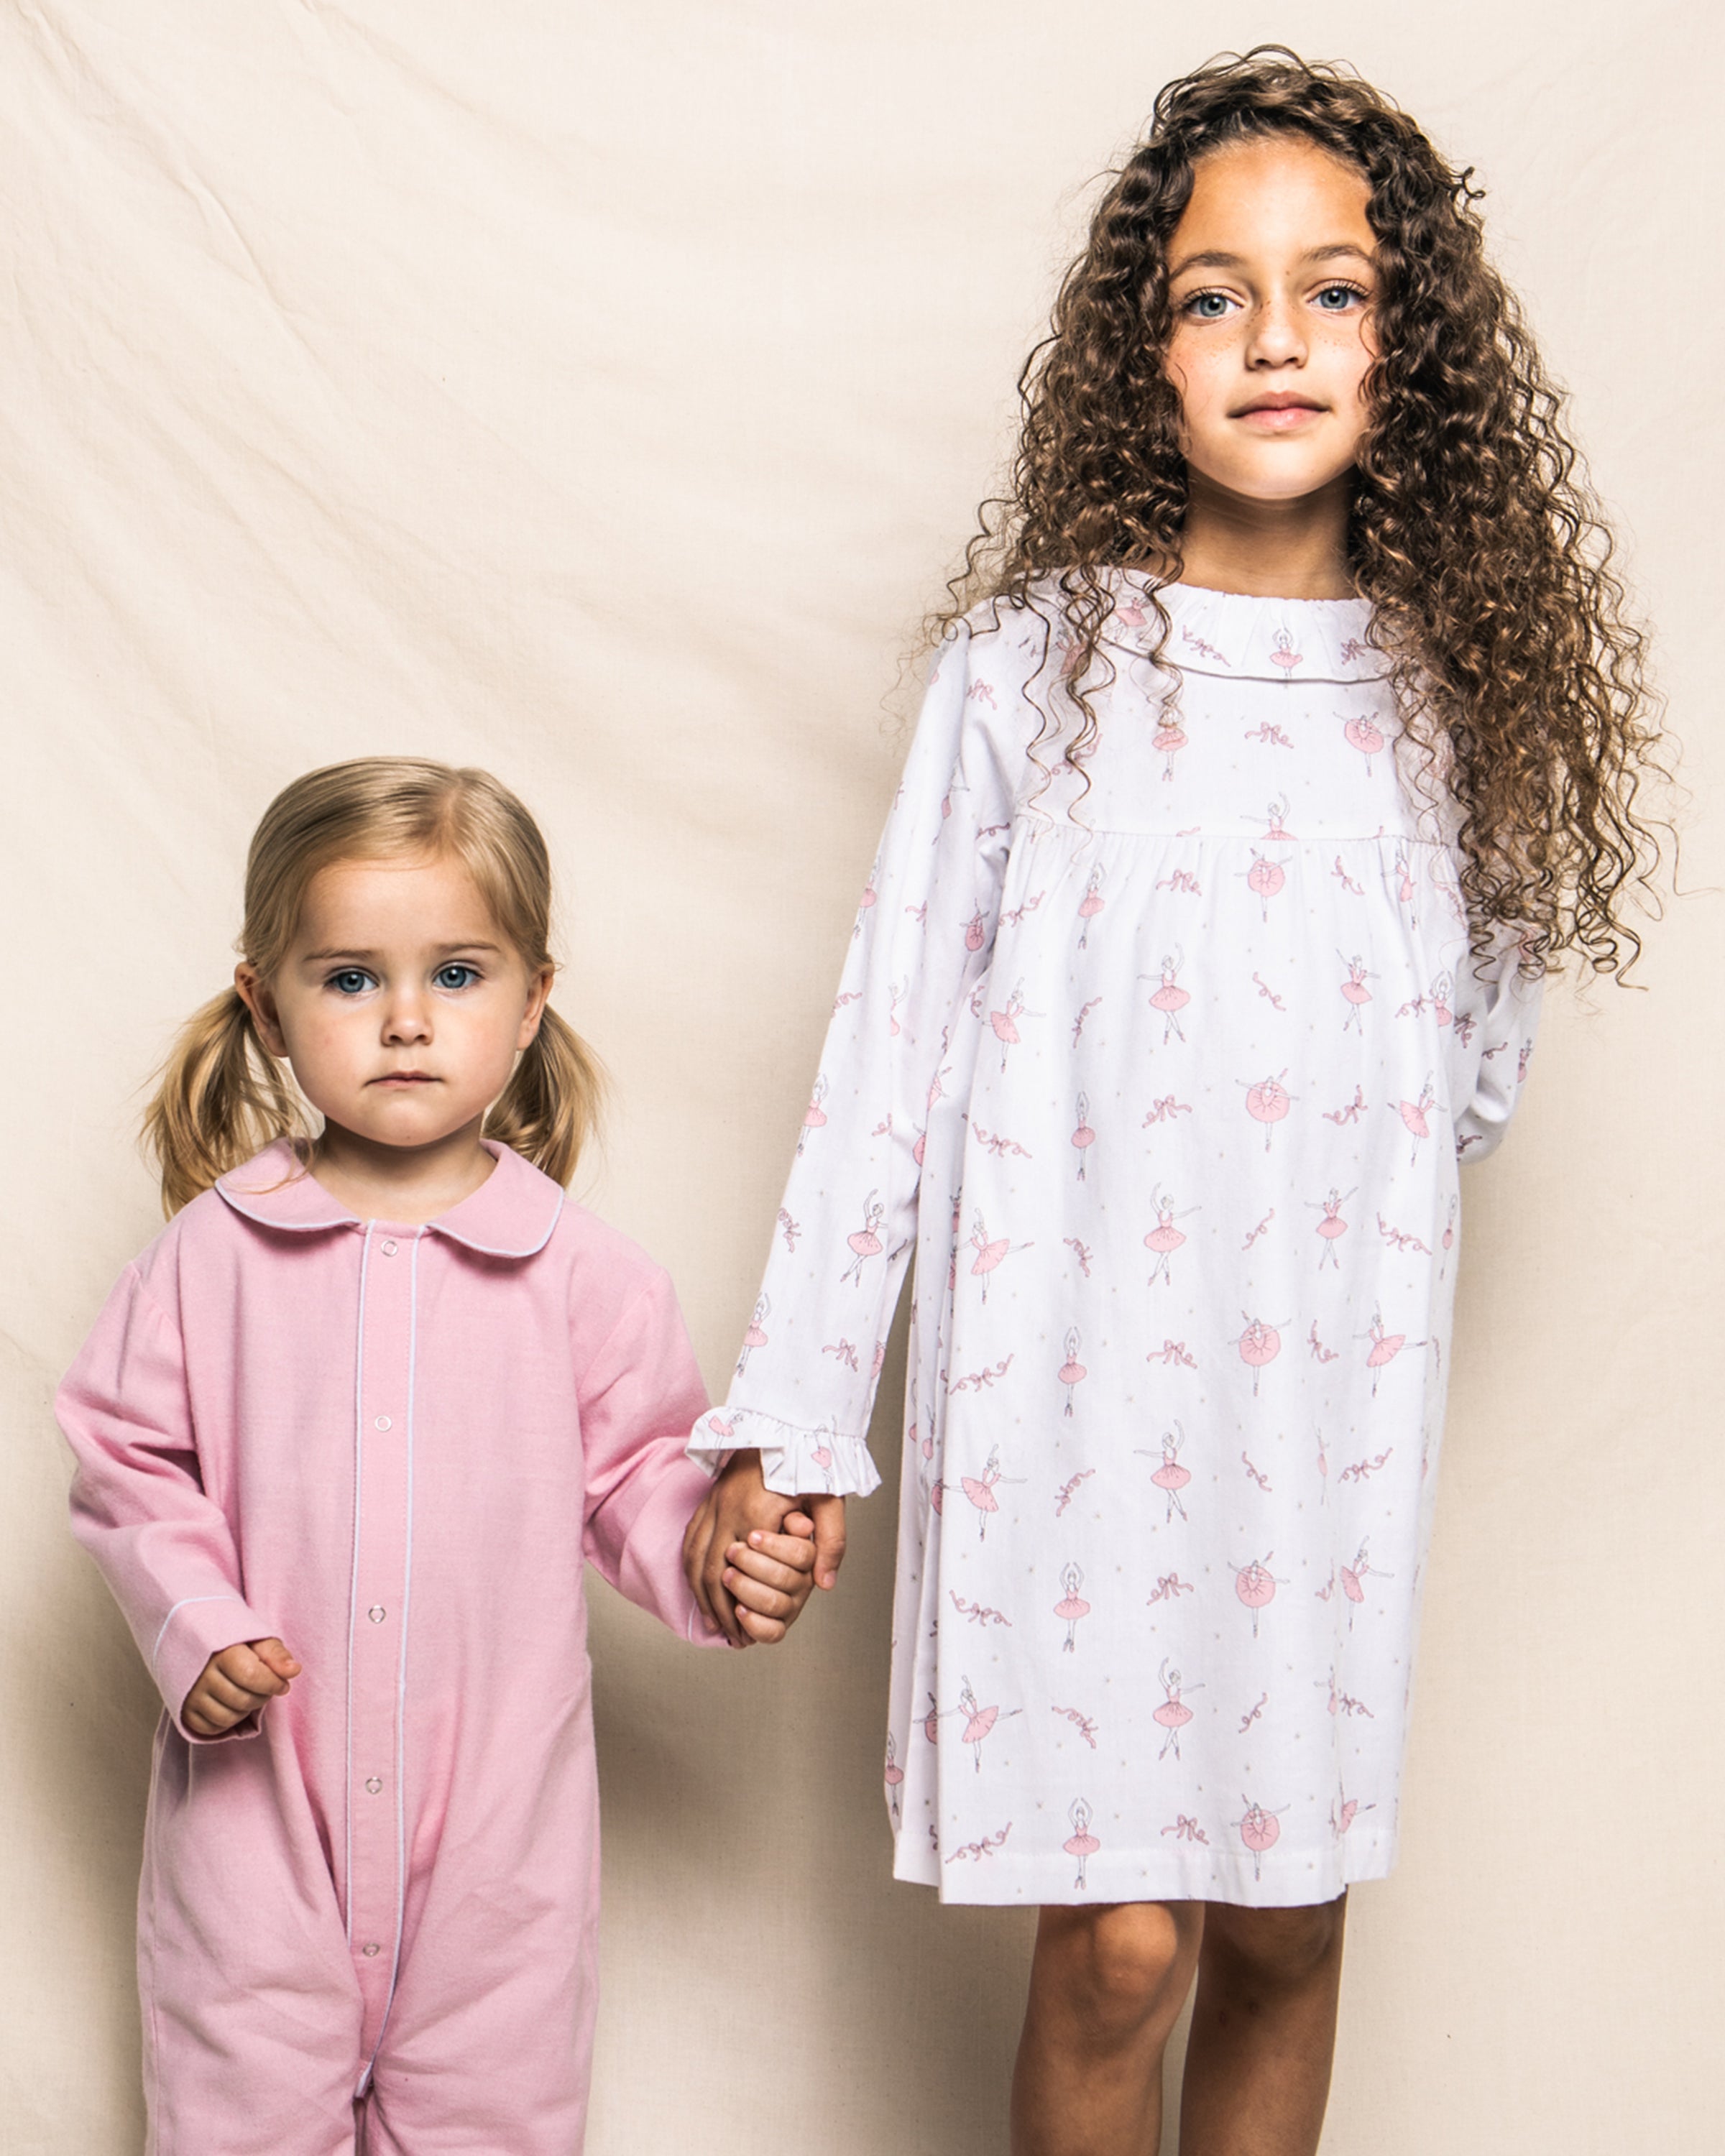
x=601 y=396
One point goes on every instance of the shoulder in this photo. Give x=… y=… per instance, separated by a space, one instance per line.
x=608 y=1274
x=206 y=1225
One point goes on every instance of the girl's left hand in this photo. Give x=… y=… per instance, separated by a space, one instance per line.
x=769 y=1578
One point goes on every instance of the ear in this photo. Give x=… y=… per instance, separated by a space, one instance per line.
x=538 y=995
x=253 y=992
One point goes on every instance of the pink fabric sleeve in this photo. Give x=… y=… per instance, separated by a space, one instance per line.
x=638 y=1399
x=138 y=1501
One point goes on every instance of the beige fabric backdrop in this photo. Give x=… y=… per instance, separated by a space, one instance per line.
x=602 y=395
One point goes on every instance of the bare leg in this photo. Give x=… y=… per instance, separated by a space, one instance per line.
x=1106 y=1986
x=1263 y=2031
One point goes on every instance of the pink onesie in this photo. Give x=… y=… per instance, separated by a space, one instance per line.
x=394 y=1447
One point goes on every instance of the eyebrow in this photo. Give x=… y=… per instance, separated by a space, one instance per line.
x=1214 y=258
x=441 y=950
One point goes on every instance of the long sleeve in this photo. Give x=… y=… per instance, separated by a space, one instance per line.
x=139 y=1506
x=1502 y=1009
x=812 y=1355
x=636 y=1399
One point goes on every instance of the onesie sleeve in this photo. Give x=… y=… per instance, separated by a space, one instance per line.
x=812 y=1355
x=1501 y=1008
x=636 y=1400
x=138 y=1501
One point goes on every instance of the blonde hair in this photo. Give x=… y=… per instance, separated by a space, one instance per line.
x=223 y=1097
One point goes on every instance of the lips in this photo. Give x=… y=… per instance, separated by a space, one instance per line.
x=405 y=1078
x=1278 y=401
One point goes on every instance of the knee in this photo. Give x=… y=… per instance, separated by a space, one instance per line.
x=1119 y=1963
x=1274 y=1949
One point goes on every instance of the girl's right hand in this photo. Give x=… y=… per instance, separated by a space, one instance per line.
x=236 y=1683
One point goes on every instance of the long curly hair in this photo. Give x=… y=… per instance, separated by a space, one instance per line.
x=1472 y=530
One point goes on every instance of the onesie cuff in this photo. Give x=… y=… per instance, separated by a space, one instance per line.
x=192 y=1631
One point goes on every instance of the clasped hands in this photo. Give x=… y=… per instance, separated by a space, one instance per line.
x=752 y=1556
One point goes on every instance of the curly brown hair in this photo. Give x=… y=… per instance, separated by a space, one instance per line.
x=1472 y=530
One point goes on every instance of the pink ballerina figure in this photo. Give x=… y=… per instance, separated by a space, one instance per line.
x=1416 y=1115
x=1404 y=886
x=1005 y=1023
x=1447 y=1241
x=1323 y=1471
x=1081 y=1843
x=1333 y=1227
x=866 y=1243
x=1172 y=1715
x=1264 y=879
x=754 y=1335
x=1384 y=1348
x=1350 y=1808
x=976 y=934
x=1361 y=733
x=1170 y=998
x=893 y=1774
x=815 y=1116
x=1278 y=832
x=1164 y=1239
x=1071 y=1606
x=1283 y=654
x=1255 y=1585
x=937 y=1091
x=989 y=1256
x=932 y=1720
x=979 y=1721
x=1170 y=1477
x=1358 y=994
x=1354 y=1577
x=1083 y=1137
x=821 y=1453
x=981 y=1493
x=1267 y=1102
x=870 y=898
x=1259 y=1830
x=1259 y=1345
x=1090 y=906
x=1168 y=739
x=1072 y=1373
x=1443 y=988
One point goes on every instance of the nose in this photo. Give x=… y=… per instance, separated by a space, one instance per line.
x=406 y=1019
x=1278 y=337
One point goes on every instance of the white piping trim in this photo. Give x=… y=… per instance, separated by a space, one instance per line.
x=185 y=1603
x=359 y=1455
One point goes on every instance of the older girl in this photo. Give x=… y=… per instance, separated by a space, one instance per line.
x=346 y=1433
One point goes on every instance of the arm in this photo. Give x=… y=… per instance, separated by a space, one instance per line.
x=139 y=1508
x=1504 y=1007
x=924 y=937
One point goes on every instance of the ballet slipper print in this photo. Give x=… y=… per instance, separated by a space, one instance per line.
x=990 y=1256
x=814 y=1115
x=1089 y=906
x=1173 y=1714
x=979 y=1720
x=1072 y=1373
x=1259 y=1830
x=754 y=1334
x=1083 y=1136
x=981 y=1492
x=1071 y=1606
x=866 y=1243
x=1333 y=1227
x=1267 y=1102
x=1284 y=655
x=1170 y=1477
x=1362 y=734
x=1384 y=1348
x=1168 y=739
x=1170 y=998
x=1415 y=1116
x=1259 y=1345
x=1265 y=878
x=1164 y=1239
x=1358 y=994
x=1081 y=1843
x=1255 y=1585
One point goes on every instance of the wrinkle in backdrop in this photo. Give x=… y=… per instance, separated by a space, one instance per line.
x=603 y=399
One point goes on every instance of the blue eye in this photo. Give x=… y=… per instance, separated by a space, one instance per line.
x=351 y=981
x=1343 y=295
x=1207 y=306
x=455 y=976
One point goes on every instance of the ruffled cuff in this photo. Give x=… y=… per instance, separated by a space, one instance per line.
x=795 y=1462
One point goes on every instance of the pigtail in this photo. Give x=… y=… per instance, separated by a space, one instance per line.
x=221 y=1097
x=550 y=1106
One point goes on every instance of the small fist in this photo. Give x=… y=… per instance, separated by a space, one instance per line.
x=235 y=1684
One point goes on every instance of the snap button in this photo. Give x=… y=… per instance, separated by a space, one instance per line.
x=371 y=1949
x=372 y=1785
x=383 y=1422
x=389 y=1248
x=377 y=1613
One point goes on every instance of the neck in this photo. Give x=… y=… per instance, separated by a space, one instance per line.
x=1289 y=550
x=406 y=1184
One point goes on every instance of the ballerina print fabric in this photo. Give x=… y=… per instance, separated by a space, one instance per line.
x=1163 y=1076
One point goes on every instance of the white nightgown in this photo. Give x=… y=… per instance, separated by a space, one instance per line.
x=1163 y=1079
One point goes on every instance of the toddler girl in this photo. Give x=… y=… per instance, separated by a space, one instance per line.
x=345 y=1433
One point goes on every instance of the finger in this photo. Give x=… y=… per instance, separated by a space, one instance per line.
x=713 y=1571
x=765 y=1629
x=782 y=1549
x=277 y=1655
x=253 y=1676
x=756 y=1565
x=755 y=1596
x=696 y=1541
x=203 y=1718
x=797 y=1523
x=829 y=1517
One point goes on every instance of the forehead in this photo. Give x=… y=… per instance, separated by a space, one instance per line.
x=417 y=899
x=1275 y=197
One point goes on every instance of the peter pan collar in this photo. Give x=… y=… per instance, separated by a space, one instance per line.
x=511 y=1215
x=1248 y=638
